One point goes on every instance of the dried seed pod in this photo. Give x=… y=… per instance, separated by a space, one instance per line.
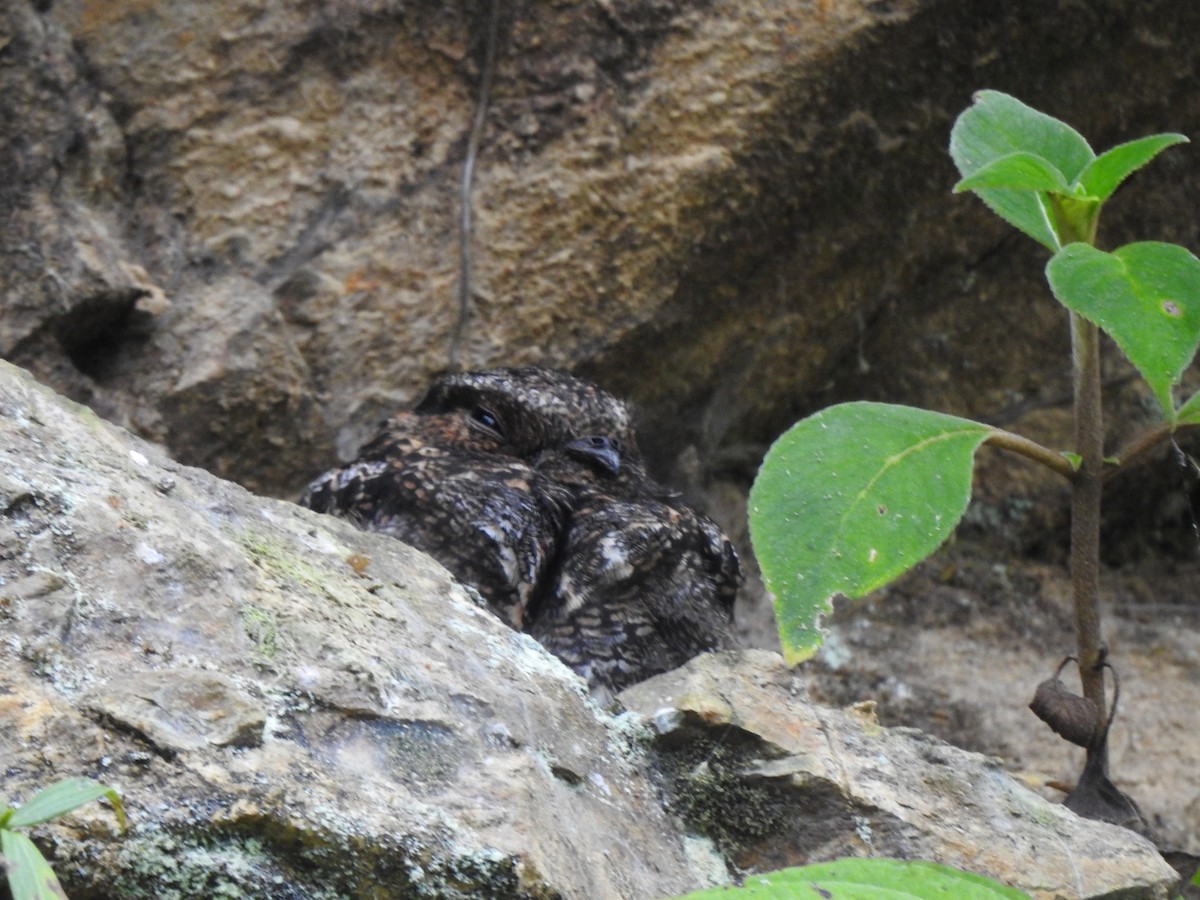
x=1069 y=715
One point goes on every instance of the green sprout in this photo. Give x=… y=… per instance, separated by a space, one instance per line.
x=855 y=495
x=29 y=874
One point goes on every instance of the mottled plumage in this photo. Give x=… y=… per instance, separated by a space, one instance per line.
x=537 y=408
x=492 y=521
x=452 y=478
x=642 y=582
x=527 y=484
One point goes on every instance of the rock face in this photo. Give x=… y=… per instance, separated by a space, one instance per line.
x=294 y=708
x=781 y=786
x=236 y=231
x=274 y=691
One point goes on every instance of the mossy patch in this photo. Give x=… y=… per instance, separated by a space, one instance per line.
x=261 y=629
x=709 y=789
x=282 y=861
x=279 y=562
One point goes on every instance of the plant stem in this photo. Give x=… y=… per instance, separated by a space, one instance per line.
x=1016 y=443
x=486 y=75
x=1144 y=443
x=1085 y=511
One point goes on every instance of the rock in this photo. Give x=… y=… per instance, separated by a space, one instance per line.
x=292 y=708
x=778 y=781
x=175 y=710
x=69 y=280
x=288 y=706
x=241 y=388
x=731 y=212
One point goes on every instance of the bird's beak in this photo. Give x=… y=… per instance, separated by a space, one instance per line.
x=597 y=449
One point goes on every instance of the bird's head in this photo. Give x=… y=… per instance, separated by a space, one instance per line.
x=524 y=411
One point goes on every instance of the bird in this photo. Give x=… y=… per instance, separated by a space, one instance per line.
x=535 y=407
x=453 y=476
x=641 y=582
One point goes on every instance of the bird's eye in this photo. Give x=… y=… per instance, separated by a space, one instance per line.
x=485 y=417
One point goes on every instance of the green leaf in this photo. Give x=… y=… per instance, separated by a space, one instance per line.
x=865 y=879
x=1017 y=171
x=1146 y=296
x=1189 y=413
x=997 y=125
x=851 y=497
x=1104 y=174
x=29 y=875
x=61 y=798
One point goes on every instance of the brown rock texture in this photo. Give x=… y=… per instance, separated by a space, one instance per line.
x=237 y=230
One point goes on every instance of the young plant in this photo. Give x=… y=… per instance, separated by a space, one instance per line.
x=850 y=498
x=29 y=874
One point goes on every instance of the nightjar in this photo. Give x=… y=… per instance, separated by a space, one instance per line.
x=641 y=583
x=452 y=476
